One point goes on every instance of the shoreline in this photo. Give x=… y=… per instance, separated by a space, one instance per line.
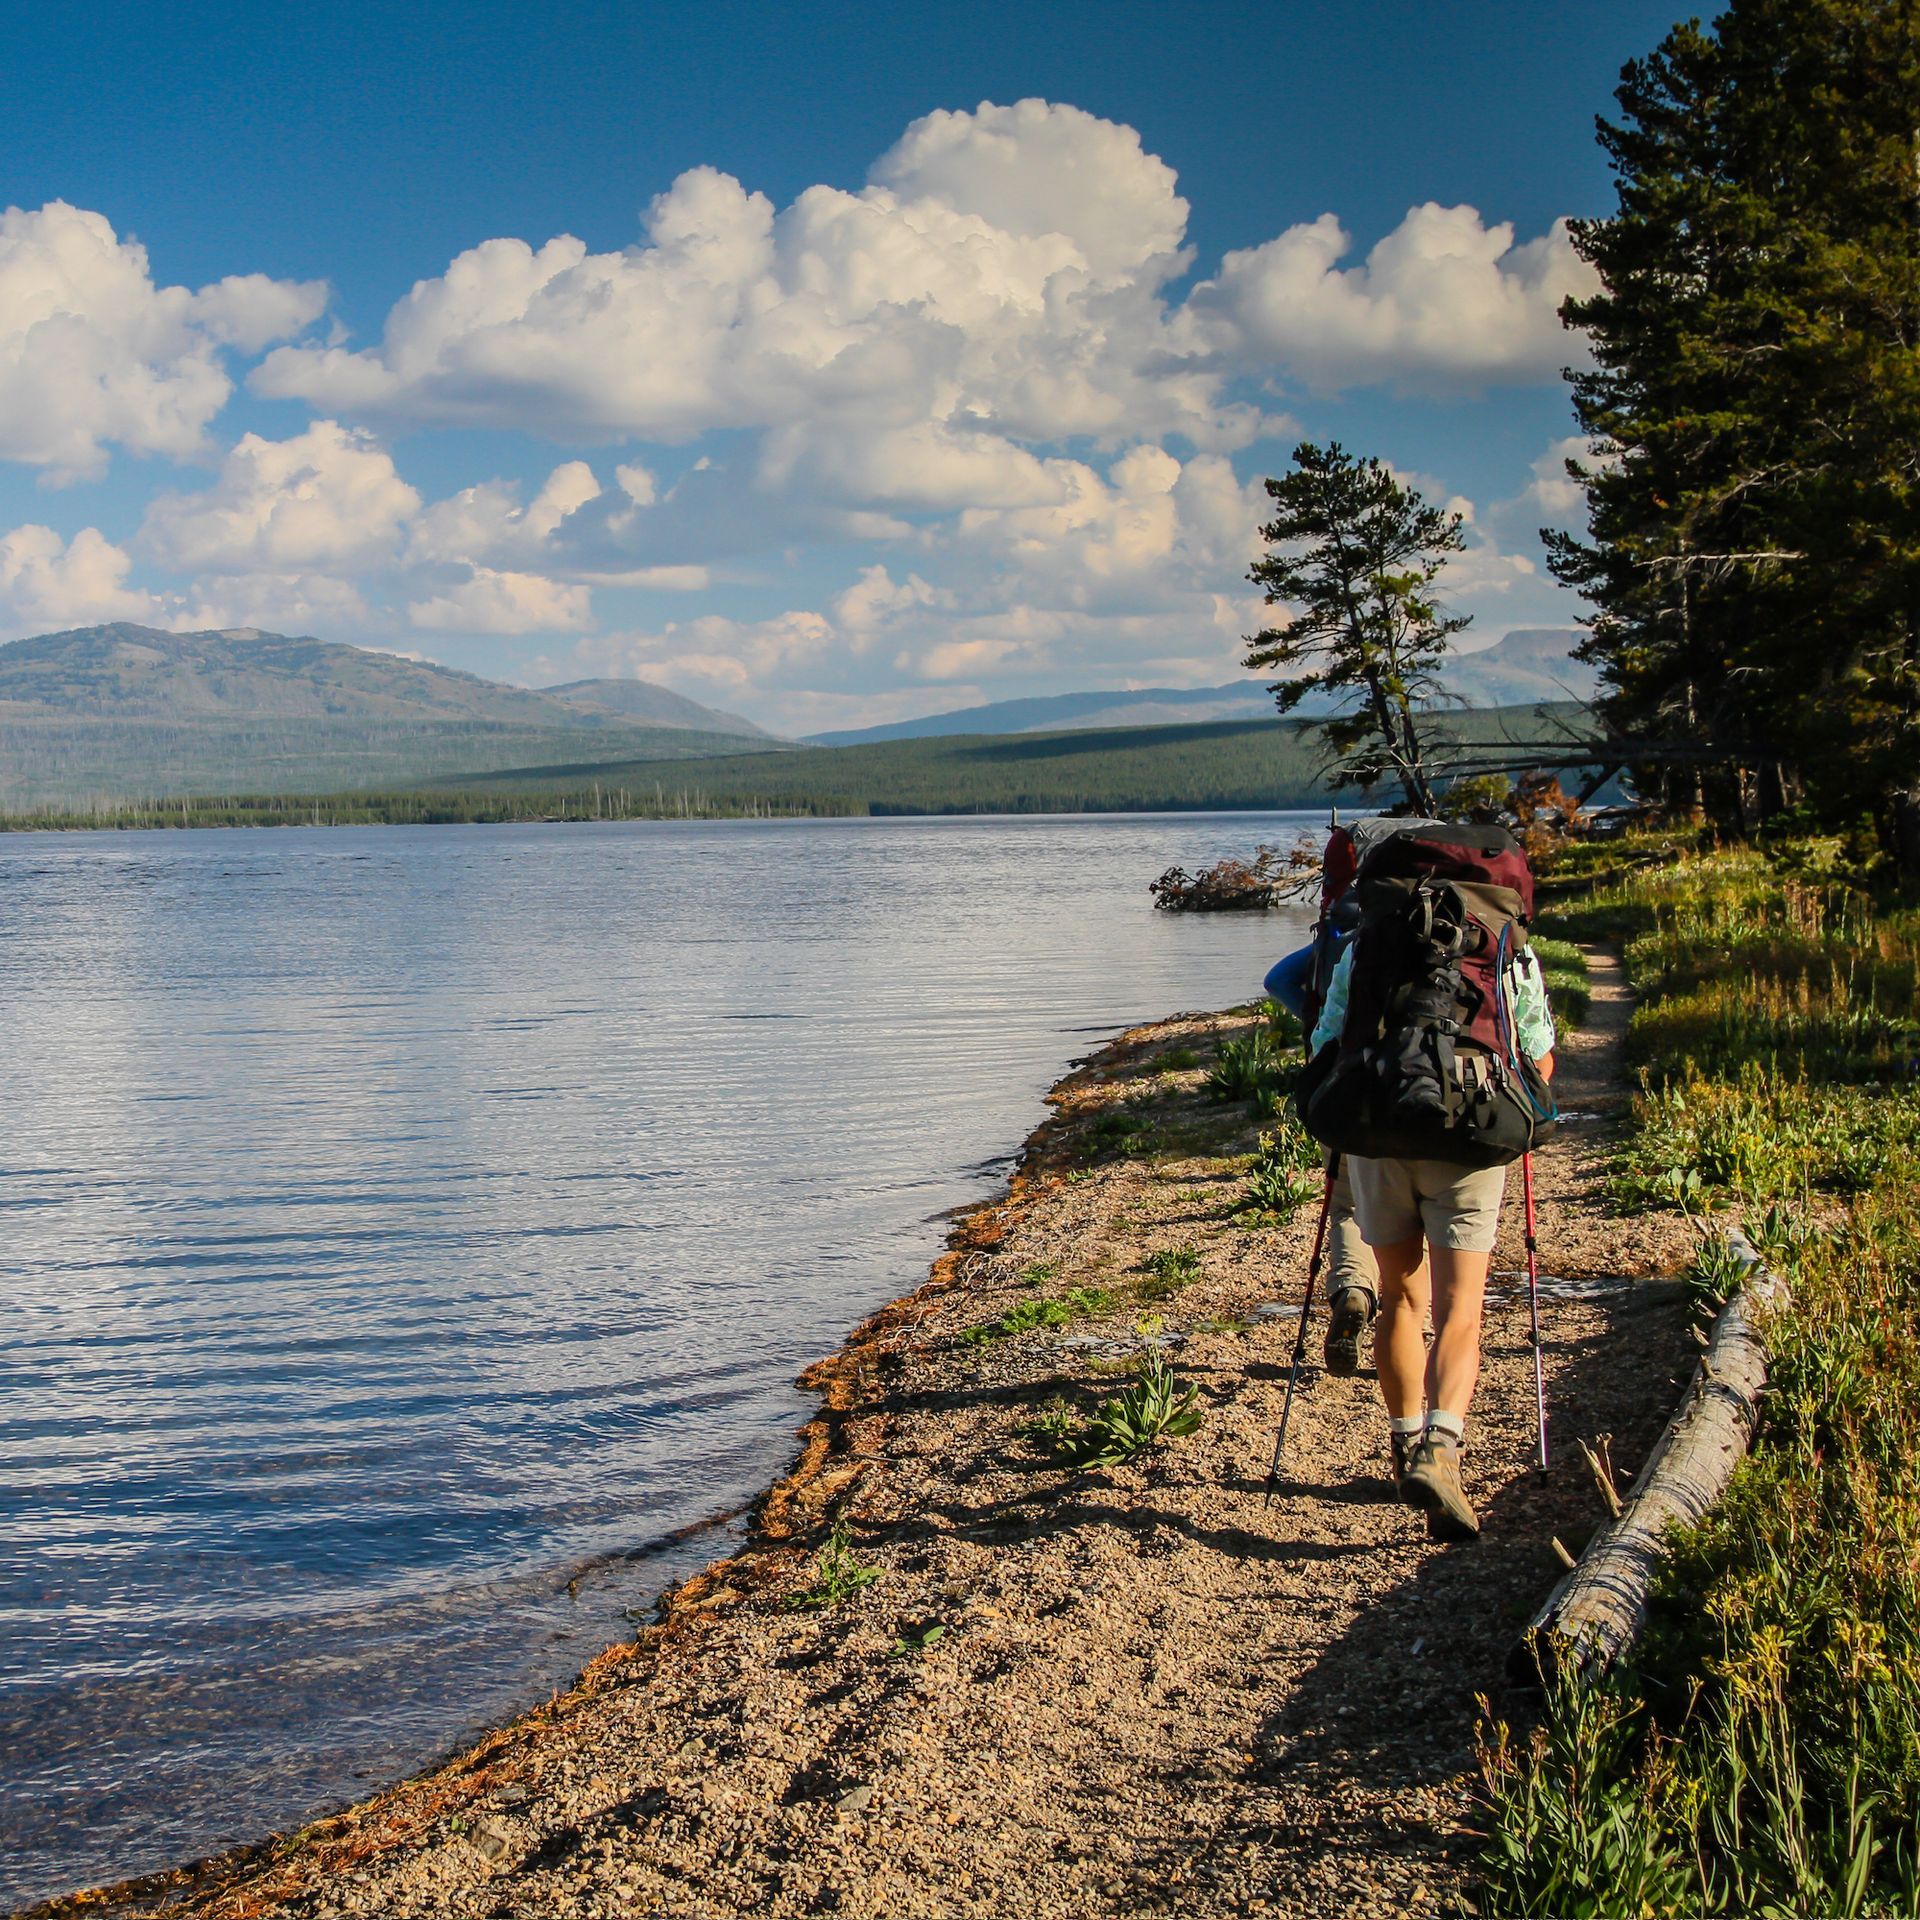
x=772 y=1515
x=912 y=1424
x=295 y=817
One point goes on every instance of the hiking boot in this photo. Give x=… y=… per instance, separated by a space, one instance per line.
x=1351 y=1314
x=1400 y=1448
x=1432 y=1484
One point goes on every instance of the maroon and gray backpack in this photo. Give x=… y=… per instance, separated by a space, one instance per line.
x=1429 y=1065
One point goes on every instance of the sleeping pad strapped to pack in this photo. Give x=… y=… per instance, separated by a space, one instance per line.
x=1428 y=1065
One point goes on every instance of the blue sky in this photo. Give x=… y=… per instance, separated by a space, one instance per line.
x=888 y=360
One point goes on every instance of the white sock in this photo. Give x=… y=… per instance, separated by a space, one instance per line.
x=1410 y=1428
x=1446 y=1428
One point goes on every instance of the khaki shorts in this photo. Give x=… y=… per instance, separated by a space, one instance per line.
x=1458 y=1207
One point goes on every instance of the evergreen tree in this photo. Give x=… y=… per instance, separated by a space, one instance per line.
x=1754 y=558
x=1357 y=554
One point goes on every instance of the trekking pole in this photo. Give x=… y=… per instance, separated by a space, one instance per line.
x=1533 y=1308
x=1300 y=1340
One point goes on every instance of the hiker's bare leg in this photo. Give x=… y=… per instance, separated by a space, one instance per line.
x=1400 y=1334
x=1459 y=1296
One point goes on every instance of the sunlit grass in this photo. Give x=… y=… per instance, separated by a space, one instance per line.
x=1761 y=1752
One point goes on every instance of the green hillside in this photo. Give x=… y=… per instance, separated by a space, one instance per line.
x=62 y=763
x=1218 y=766
x=1214 y=765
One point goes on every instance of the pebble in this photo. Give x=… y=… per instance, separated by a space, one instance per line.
x=493 y=1842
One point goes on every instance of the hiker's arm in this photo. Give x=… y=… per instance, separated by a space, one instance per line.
x=1333 y=1015
x=1532 y=1016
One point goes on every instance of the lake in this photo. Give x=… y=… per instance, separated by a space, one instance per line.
x=408 y=1233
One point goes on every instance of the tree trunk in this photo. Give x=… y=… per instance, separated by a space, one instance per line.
x=1597 y=1611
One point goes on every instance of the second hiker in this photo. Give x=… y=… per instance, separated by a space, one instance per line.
x=1431 y=1060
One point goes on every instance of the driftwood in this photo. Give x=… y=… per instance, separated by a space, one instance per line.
x=1597 y=1611
x=1238 y=886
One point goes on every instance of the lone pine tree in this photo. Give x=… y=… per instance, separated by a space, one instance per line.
x=1357 y=553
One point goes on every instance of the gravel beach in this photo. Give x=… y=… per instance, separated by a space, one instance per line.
x=1132 y=1690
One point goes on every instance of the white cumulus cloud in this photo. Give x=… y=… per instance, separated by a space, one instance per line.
x=327 y=498
x=490 y=601
x=1443 y=301
x=94 y=354
x=47 y=583
x=999 y=274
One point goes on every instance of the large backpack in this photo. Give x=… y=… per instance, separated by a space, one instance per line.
x=1428 y=1065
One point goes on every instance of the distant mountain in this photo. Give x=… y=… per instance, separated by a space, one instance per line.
x=1049 y=713
x=1528 y=664
x=128 y=712
x=125 y=672
x=653 y=706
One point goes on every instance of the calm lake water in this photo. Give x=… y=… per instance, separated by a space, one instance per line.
x=405 y=1232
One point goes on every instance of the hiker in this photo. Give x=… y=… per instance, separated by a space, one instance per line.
x=1299 y=981
x=1430 y=1065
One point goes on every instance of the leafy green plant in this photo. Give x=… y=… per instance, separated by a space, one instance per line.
x=838 y=1574
x=1781 y=1233
x=1283 y=1175
x=1168 y=1271
x=1242 y=1067
x=1716 y=1274
x=1179 y=1059
x=915 y=1640
x=1024 y=1316
x=1570 y=1817
x=1154 y=1408
x=1283 y=1027
x=1036 y=1273
x=1058 y=1423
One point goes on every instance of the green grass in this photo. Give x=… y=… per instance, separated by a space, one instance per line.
x=1760 y=1752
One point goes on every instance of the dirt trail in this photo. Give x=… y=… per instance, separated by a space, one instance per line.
x=1151 y=1692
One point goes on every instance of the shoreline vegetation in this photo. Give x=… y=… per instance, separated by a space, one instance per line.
x=1759 y=1752
x=1209 y=766
x=1017 y=1632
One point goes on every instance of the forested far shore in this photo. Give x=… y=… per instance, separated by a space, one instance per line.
x=1223 y=766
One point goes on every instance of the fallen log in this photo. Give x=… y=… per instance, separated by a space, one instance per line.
x=1598 y=1609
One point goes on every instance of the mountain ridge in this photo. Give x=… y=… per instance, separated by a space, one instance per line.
x=123 y=710
x=653 y=705
x=1525 y=665
x=124 y=671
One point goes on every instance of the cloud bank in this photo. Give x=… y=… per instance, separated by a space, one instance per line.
x=985 y=379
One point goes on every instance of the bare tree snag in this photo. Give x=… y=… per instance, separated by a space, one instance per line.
x=1597 y=1611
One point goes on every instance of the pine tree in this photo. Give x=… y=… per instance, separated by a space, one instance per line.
x=1368 y=629
x=1754 y=558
